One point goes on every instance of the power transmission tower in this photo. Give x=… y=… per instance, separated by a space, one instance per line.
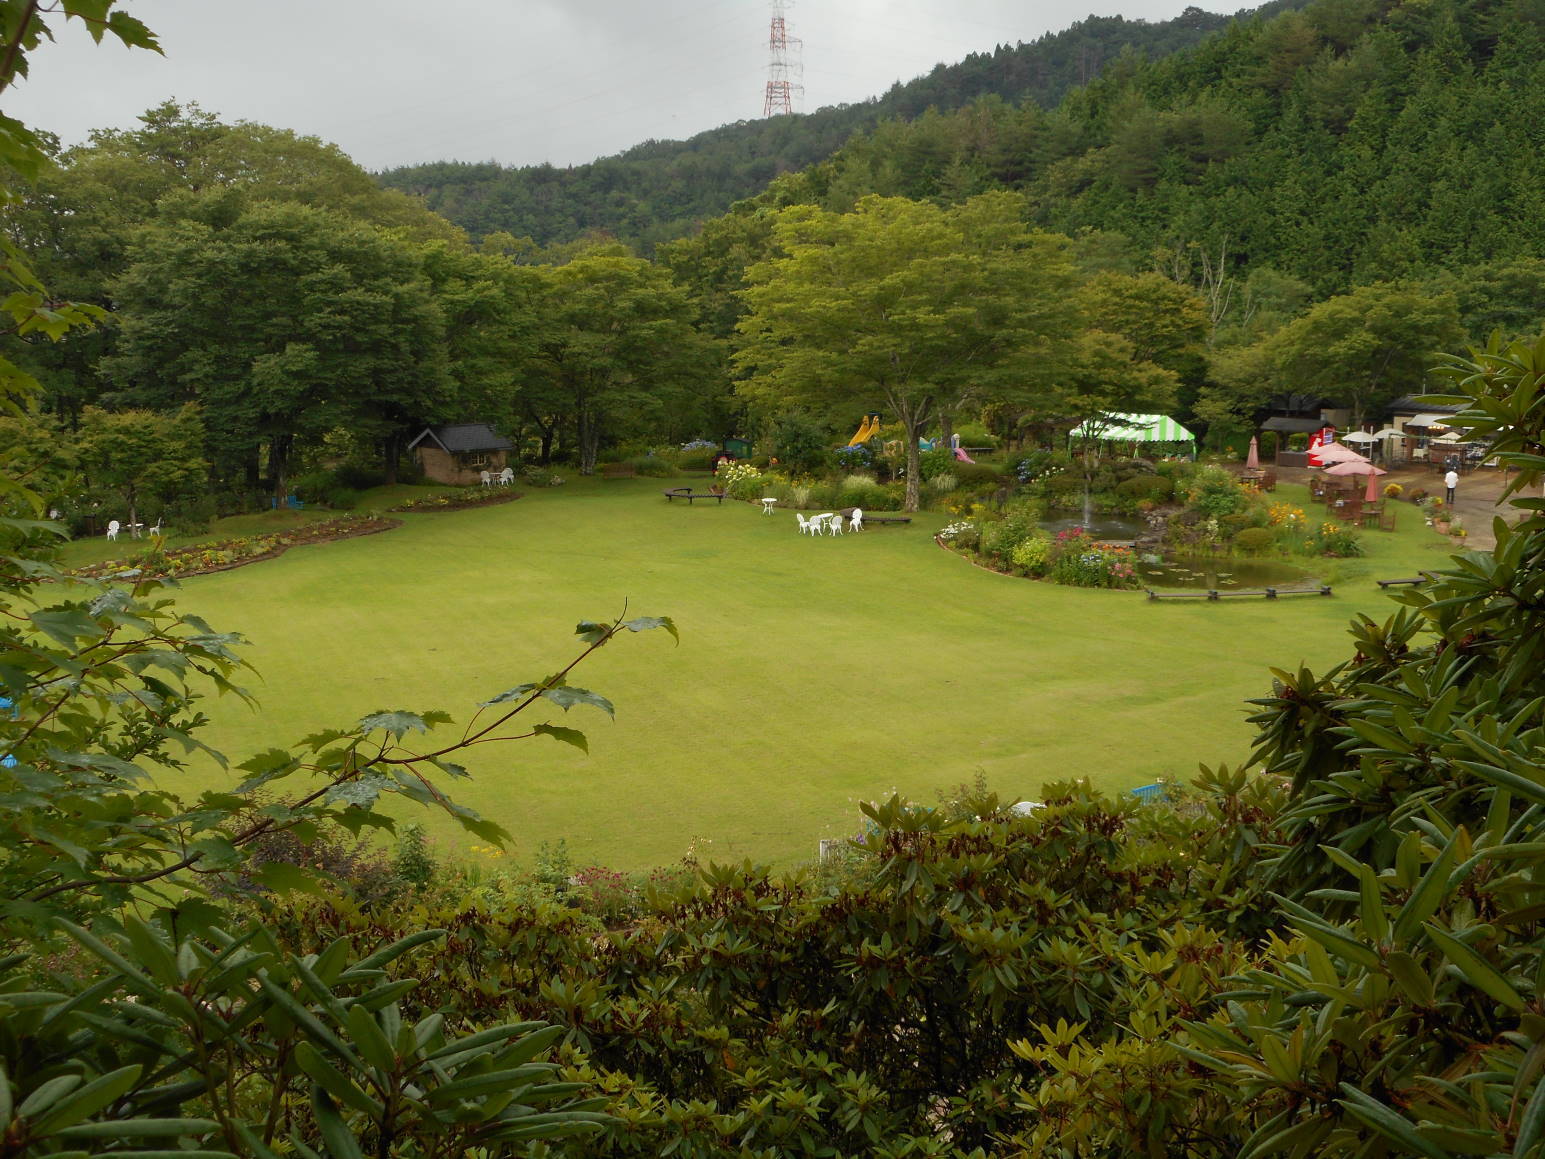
x=782 y=64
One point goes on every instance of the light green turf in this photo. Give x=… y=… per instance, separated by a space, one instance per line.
x=810 y=674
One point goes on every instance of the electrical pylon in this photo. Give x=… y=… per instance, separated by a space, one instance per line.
x=783 y=64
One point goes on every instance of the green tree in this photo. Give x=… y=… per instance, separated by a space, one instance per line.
x=24 y=156
x=1366 y=347
x=615 y=341
x=904 y=307
x=282 y=322
x=82 y=217
x=143 y=455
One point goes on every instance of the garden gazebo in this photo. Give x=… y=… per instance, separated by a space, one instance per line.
x=1136 y=428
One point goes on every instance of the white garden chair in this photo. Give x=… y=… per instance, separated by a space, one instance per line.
x=808 y=526
x=113 y=528
x=834 y=525
x=856 y=522
x=506 y=476
x=488 y=480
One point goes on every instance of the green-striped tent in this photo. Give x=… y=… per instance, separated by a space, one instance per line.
x=1125 y=428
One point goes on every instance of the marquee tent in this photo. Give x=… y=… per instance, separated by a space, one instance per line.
x=1126 y=428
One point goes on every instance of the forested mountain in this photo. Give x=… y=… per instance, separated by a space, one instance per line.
x=1350 y=142
x=660 y=189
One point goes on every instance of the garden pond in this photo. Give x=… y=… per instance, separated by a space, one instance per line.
x=1209 y=573
x=1105 y=528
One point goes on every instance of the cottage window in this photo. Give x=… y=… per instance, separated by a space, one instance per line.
x=473 y=459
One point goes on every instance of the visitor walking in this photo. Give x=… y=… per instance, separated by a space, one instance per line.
x=1451 y=481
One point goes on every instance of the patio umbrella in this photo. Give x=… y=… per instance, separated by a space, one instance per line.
x=1358 y=437
x=1354 y=467
x=1338 y=453
x=1451 y=437
x=1371 y=495
x=1388 y=433
x=1253 y=458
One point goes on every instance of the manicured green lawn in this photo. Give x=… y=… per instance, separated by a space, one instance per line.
x=810 y=674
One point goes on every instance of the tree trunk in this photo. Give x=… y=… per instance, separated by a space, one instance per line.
x=548 y=434
x=947 y=428
x=279 y=461
x=589 y=442
x=391 y=451
x=914 y=467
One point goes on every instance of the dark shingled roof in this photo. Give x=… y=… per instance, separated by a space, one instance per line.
x=457 y=438
x=1408 y=403
x=1290 y=425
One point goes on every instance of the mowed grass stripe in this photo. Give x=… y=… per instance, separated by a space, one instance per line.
x=810 y=673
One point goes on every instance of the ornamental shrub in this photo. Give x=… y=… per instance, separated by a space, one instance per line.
x=740 y=480
x=1061 y=490
x=1037 y=464
x=862 y=491
x=1034 y=554
x=1020 y=520
x=1255 y=540
x=939 y=461
x=1080 y=562
x=652 y=466
x=1215 y=493
x=855 y=458
x=975 y=474
x=800 y=442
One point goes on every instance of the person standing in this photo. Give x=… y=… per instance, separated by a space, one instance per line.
x=1451 y=481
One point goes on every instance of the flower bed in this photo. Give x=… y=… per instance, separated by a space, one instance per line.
x=229 y=553
x=459 y=500
x=1071 y=557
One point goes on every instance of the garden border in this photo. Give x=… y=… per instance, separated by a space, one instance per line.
x=493 y=499
x=370 y=525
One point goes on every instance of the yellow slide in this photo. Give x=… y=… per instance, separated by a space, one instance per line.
x=866 y=430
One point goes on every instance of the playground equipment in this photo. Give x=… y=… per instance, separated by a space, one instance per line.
x=866 y=430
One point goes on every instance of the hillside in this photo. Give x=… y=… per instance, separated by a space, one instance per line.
x=1350 y=142
x=660 y=189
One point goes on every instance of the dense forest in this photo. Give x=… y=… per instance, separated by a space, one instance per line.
x=1351 y=142
x=660 y=190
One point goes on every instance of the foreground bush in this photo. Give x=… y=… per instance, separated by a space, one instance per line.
x=742 y=1008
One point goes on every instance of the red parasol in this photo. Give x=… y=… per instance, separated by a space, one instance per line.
x=1253 y=459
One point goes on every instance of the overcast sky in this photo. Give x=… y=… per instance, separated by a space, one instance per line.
x=517 y=81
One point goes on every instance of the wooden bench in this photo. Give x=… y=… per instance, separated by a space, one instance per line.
x=689 y=495
x=1218 y=594
x=1424 y=577
x=618 y=471
x=847 y=513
